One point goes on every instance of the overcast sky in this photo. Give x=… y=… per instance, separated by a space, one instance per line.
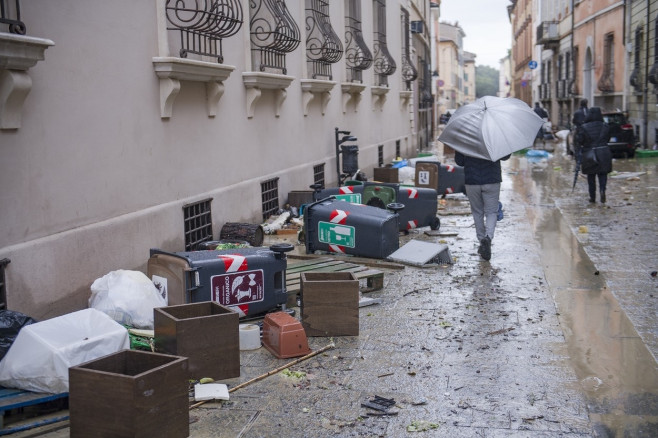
x=486 y=25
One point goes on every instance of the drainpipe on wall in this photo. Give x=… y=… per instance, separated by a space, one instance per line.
x=625 y=88
x=645 y=116
x=573 y=60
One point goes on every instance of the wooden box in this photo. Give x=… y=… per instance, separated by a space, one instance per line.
x=330 y=303
x=386 y=174
x=207 y=333
x=130 y=394
x=297 y=198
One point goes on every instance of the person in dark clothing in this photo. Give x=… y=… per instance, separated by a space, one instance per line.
x=541 y=112
x=581 y=114
x=482 y=178
x=579 y=117
x=592 y=138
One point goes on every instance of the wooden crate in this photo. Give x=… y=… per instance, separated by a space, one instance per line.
x=330 y=303
x=297 y=198
x=386 y=174
x=131 y=393
x=207 y=333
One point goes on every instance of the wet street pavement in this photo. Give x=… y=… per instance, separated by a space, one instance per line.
x=555 y=336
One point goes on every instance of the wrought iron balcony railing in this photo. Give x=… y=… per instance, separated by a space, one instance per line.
x=323 y=47
x=10 y=14
x=409 y=72
x=606 y=84
x=273 y=34
x=357 y=55
x=384 y=64
x=202 y=24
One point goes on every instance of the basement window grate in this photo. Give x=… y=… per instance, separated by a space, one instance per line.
x=270 y=196
x=318 y=174
x=198 y=223
x=380 y=155
x=397 y=148
x=3 y=284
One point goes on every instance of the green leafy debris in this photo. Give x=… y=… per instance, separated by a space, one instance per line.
x=296 y=374
x=421 y=426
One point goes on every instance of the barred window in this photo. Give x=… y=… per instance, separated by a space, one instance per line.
x=357 y=55
x=197 y=219
x=606 y=82
x=323 y=47
x=384 y=64
x=318 y=174
x=270 y=197
x=202 y=28
x=409 y=72
x=273 y=34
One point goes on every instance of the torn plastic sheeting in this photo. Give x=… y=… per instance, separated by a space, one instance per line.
x=40 y=357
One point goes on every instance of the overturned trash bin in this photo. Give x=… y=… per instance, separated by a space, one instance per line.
x=251 y=281
x=446 y=178
x=420 y=203
x=344 y=228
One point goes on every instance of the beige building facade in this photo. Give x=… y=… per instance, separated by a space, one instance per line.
x=127 y=125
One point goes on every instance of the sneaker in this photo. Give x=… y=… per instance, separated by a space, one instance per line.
x=485 y=248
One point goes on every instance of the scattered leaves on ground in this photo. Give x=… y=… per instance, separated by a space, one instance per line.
x=421 y=426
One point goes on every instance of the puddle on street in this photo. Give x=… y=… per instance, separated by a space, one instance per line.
x=614 y=367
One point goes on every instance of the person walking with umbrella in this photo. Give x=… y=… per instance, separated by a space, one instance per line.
x=594 y=154
x=482 y=178
x=482 y=134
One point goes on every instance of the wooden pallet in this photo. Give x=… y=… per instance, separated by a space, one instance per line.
x=18 y=401
x=374 y=277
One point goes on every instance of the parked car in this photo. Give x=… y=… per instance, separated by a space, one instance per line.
x=622 y=137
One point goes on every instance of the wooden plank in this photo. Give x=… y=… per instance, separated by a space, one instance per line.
x=324 y=267
x=375 y=263
x=331 y=264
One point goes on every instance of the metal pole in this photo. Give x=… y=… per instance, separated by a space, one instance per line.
x=337 y=161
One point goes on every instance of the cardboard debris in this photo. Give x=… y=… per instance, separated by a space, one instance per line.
x=420 y=253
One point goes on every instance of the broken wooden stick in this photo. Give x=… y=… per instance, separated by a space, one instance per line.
x=501 y=331
x=274 y=371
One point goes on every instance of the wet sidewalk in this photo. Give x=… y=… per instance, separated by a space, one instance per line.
x=477 y=349
x=473 y=349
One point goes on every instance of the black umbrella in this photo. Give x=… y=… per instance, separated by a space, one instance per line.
x=575 y=173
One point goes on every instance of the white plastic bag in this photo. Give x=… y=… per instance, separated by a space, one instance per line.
x=128 y=297
x=40 y=357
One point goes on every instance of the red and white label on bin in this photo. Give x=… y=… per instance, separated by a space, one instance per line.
x=239 y=285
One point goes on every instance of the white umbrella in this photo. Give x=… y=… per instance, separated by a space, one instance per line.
x=491 y=127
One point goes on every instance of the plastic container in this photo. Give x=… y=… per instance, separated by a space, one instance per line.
x=341 y=227
x=284 y=336
x=249 y=280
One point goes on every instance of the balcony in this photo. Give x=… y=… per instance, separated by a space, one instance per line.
x=547 y=33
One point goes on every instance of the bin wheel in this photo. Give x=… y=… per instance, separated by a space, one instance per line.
x=436 y=223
